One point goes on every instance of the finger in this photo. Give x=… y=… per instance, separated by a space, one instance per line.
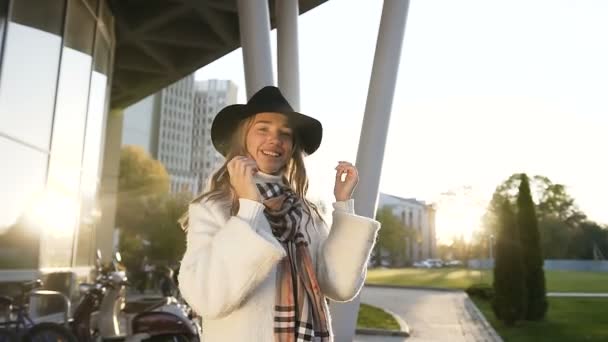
x=231 y=166
x=240 y=167
x=349 y=169
x=250 y=162
x=250 y=169
x=340 y=176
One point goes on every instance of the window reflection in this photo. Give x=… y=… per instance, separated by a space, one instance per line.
x=53 y=99
x=81 y=27
x=27 y=86
x=22 y=182
x=91 y=166
x=3 y=21
x=66 y=154
x=95 y=128
x=44 y=15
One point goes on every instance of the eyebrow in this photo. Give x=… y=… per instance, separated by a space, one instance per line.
x=270 y=123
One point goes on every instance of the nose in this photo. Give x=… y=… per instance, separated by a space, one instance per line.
x=273 y=137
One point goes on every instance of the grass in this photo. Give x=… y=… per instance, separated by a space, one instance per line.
x=568 y=319
x=459 y=278
x=371 y=317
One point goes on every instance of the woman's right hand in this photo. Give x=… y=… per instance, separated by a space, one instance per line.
x=241 y=170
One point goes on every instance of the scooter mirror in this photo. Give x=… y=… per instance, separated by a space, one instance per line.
x=118 y=257
x=98 y=259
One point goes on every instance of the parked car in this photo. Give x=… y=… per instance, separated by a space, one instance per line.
x=453 y=263
x=429 y=263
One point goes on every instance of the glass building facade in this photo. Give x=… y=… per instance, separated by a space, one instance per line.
x=55 y=64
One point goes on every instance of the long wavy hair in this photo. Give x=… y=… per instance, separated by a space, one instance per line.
x=220 y=189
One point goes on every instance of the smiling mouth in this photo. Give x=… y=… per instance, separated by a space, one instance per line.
x=271 y=154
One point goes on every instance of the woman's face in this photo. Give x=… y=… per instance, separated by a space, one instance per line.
x=270 y=142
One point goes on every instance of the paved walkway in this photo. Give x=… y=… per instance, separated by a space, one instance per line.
x=431 y=315
x=577 y=294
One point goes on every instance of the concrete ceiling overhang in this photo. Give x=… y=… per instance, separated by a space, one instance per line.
x=158 y=42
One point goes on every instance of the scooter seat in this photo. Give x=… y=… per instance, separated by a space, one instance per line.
x=143 y=306
x=31 y=285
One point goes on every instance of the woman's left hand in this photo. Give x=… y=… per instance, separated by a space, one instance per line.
x=343 y=190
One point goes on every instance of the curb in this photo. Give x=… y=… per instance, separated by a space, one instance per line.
x=477 y=315
x=404 y=287
x=404 y=329
x=381 y=332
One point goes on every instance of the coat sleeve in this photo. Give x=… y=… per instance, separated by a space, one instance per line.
x=225 y=262
x=343 y=252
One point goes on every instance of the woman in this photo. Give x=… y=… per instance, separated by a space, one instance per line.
x=260 y=261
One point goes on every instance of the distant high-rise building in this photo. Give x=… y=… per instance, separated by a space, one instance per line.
x=209 y=98
x=174 y=126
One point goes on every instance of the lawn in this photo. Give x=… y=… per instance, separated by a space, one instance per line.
x=568 y=319
x=371 y=317
x=459 y=278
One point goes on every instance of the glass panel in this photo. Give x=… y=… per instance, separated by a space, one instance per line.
x=91 y=166
x=44 y=15
x=86 y=237
x=93 y=137
x=67 y=144
x=107 y=19
x=66 y=154
x=22 y=183
x=27 y=86
x=80 y=27
x=3 y=21
x=102 y=54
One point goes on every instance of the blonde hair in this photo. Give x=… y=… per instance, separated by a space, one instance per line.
x=220 y=189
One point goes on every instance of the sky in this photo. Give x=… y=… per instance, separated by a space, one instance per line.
x=485 y=89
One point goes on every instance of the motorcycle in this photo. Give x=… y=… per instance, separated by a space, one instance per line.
x=104 y=315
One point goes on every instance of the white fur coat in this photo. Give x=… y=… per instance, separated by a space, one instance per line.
x=228 y=271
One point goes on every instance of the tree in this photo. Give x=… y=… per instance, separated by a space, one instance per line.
x=141 y=179
x=590 y=242
x=531 y=253
x=509 y=301
x=391 y=238
x=167 y=239
x=558 y=215
x=460 y=249
x=555 y=238
x=147 y=213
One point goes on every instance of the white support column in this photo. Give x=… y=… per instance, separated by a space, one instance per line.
x=108 y=191
x=288 y=65
x=254 y=25
x=373 y=136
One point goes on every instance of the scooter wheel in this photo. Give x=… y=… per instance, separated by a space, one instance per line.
x=8 y=336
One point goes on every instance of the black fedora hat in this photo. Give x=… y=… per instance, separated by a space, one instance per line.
x=269 y=99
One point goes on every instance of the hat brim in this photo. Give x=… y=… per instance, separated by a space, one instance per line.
x=308 y=131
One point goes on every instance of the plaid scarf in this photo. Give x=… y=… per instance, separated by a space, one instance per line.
x=299 y=305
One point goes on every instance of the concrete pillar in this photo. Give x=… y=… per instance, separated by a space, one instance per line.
x=288 y=64
x=108 y=190
x=254 y=26
x=373 y=136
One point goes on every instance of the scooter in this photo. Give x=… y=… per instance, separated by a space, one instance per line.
x=101 y=311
